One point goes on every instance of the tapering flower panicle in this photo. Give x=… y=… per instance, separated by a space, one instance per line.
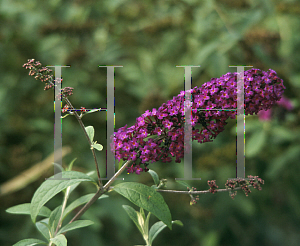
x=67 y=91
x=164 y=128
x=40 y=73
x=44 y=74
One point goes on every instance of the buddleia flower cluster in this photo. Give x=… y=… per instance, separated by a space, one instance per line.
x=159 y=134
x=44 y=74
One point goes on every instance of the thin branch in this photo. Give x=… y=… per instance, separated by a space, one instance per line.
x=193 y=192
x=199 y=192
x=90 y=143
x=99 y=193
x=63 y=209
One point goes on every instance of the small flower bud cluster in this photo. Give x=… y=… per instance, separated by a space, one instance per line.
x=256 y=182
x=244 y=184
x=212 y=184
x=66 y=108
x=237 y=183
x=67 y=91
x=164 y=127
x=43 y=74
x=230 y=184
x=40 y=73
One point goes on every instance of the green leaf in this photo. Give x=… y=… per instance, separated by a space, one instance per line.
x=143 y=215
x=71 y=164
x=51 y=187
x=134 y=216
x=177 y=222
x=73 y=187
x=90 y=132
x=80 y=201
x=44 y=228
x=90 y=173
x=146 y=227
x=141 y=219
x=158 y=227
x=59 y=240
x=146 y=198
x=30 y=242
x=255 y=143
x=184 y=183
x=74 y=225
x=25 y=209
x=97 y=146
x=154 y=176
x=54 y=219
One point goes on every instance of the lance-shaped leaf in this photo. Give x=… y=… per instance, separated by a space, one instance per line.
x=54 y=218
x=30 y=241
x=59 y=240
x=44 y=228
x=184 y=184
x=154 y=176
x=75 y=224
x=146 y=198
x=25 y=209
x=134 y=216
x=51 y=187
x=158 y=227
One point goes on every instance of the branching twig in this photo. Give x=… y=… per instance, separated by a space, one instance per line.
x=198 y=192
x=62 y=209
x=90 y=143
x=99 y=193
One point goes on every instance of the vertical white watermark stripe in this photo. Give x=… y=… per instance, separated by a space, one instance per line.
x=240 y=123
x=187 y=159
x=110 y=122
x=57 y=124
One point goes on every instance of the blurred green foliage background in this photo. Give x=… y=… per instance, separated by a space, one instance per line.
x=149 y=38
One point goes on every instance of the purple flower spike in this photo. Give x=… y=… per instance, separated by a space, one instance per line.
x=165 y=126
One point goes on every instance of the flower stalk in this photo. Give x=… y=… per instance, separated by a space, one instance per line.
x=99 y=193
